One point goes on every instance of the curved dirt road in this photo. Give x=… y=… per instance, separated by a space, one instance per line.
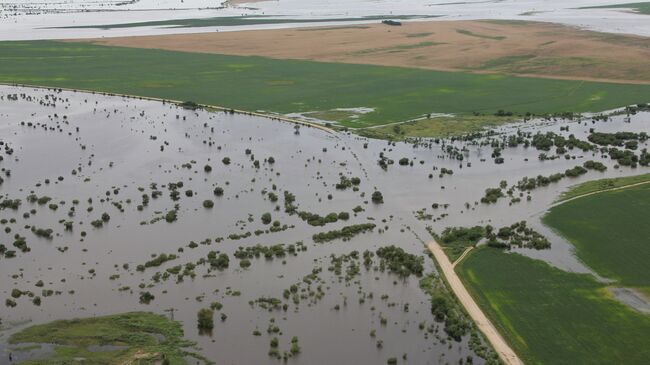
x=507 y=355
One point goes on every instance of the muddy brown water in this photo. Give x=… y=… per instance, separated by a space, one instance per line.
x=121 y=152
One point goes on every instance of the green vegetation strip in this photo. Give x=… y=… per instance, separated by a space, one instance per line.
x=142 y=338
x=231 y=21
x=553 y=317
x=288 y=86
x=642 y=8
x=610 y=232
x=472 y=34
x=603 y=184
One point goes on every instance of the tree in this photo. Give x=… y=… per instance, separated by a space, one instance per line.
x=266 y=218
x=205 y=319
x=377 y=197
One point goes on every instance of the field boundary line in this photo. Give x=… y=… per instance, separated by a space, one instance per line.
x=505 y=352
x=178 y=102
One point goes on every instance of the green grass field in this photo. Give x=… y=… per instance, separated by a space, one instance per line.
x=286 y=86
x=133 y=332
x=553 y=317
x=610 y=231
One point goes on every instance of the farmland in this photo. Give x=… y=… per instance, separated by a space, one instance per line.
x=511 y=47
x=261 y=182
x=389 y=94
x=553 y=317
x=609 y=232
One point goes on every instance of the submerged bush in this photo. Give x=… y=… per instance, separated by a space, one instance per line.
x=205 y=319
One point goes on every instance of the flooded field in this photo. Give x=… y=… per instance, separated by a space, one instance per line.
x=22 y=20
x=96 y=189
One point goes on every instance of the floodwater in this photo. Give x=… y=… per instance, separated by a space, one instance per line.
x=118 y=147
x=28 y=19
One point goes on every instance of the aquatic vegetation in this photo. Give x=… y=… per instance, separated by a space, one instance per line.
x=205 y=319
x=134 y=336
x=400 y=262
x=346 y=232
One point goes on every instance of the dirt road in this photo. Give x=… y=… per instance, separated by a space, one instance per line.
x=467 y=250
x=507 y=355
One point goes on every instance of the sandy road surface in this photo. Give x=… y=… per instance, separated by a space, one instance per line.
x=507 y=355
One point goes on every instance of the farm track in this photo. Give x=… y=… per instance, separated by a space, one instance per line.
x=458 y=260
x=507 y=355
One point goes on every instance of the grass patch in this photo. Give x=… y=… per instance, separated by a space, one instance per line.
x=504 y=61
x=436 y=127
x=455 y=240
x=290 y=86
x=477 y=35
x=418 y=35
x=398 y=48
x=553 y=317
x=610 y=232
x=641 y=8
x=602 y=184
x=143 y=337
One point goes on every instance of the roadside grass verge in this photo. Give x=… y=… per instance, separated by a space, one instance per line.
x=553 y=317
x=603 y=184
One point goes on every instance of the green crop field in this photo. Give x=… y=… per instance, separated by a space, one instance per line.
x=610 y=231
x=286 y=86
x=554 y=317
